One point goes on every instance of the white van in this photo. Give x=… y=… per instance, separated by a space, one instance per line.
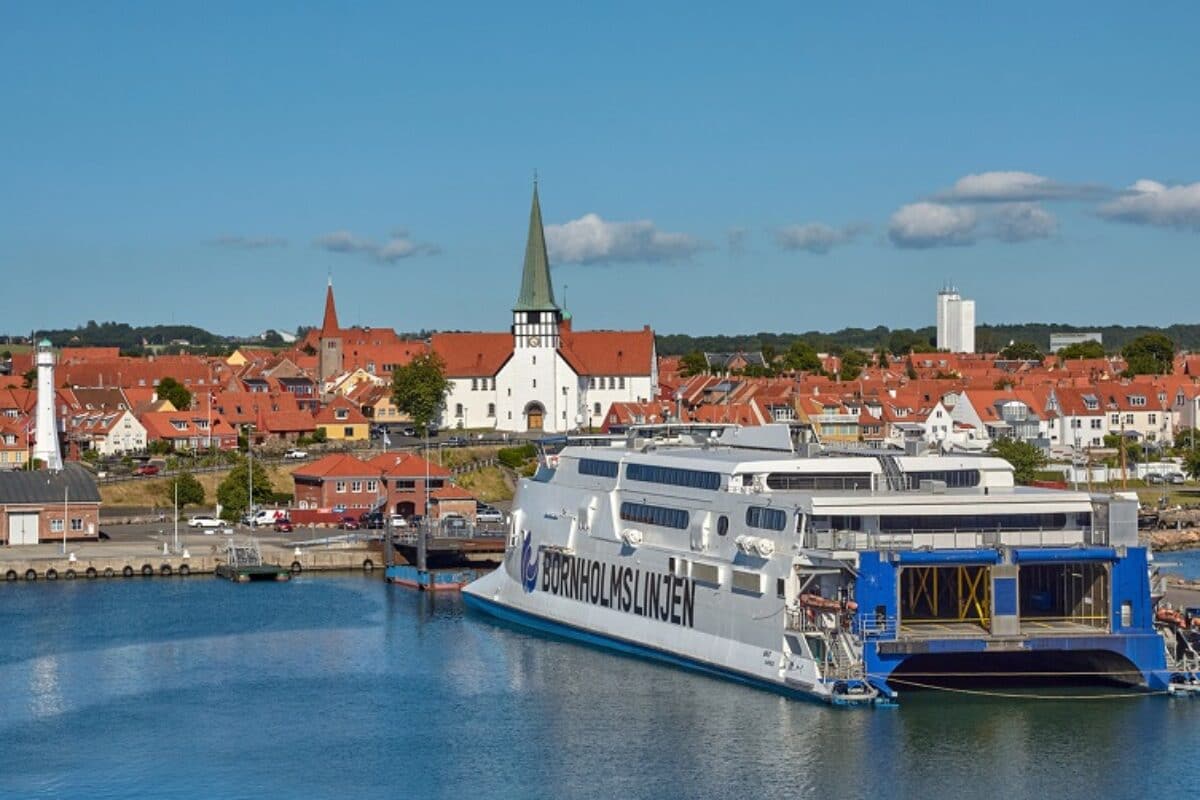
x=269 y=516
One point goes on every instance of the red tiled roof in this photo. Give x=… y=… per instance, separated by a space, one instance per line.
x=326 y=415
x=473 y=355
x=608 y=352
x=407 y=465
x=338 y=465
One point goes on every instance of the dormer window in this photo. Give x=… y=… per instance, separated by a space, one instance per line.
x=1137 y=400
x=341 y=413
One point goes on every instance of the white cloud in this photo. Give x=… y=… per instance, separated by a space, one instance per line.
x=1149 y=202
x=398 y=247
x=248 y=242
x=1015 y=186
x=593 y=240
x=1020 y=222
x=920 y=225
x=815 y=237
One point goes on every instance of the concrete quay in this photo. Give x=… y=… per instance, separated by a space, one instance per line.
x=140 y=556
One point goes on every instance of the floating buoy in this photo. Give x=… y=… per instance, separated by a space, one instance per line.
x=127 y=572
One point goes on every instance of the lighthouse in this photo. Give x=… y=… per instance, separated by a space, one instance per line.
x=46 y=450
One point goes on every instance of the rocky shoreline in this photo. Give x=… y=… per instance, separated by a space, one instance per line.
x=1167 y=541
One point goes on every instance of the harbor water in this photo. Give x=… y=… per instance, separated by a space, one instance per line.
x=345 y=687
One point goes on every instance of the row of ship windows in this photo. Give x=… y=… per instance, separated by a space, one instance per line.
x=647 y=473
x=958 y=522
x=772 y=519
x=779 y=481
x=740 y=580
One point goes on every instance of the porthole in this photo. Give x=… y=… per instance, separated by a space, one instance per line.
x=722 y=525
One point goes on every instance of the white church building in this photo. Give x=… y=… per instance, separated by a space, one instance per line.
x=542 y=375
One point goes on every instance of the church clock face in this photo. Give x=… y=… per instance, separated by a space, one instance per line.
x=534 y=341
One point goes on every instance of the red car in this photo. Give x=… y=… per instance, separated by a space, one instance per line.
x=348 y=524
x=146 y=469
x=283 y=526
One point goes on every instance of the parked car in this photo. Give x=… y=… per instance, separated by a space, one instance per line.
x=204 y=521
x=488 y=514
x=1175 y=477
x=371 y=519
x=283 y=526
x=349 y=523
x=146 y=469
x=398 y=521
x=296 y=454
x=409 y=431
x=269 y=516
x=1154 y=477
x=456 y=441
x=453 y=523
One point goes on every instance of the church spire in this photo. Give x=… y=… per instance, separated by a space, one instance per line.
x=537 y=293
x=329 y=325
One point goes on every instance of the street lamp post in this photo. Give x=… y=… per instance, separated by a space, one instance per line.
x=250 y=473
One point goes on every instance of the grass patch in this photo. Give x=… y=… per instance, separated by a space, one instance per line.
x=489 y=484
x=153 y=491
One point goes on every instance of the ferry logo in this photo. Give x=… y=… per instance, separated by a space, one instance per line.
x=529 y=565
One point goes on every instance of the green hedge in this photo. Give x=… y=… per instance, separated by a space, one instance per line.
x=514 y=457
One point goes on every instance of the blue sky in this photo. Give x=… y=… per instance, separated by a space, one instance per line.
x=719 y=169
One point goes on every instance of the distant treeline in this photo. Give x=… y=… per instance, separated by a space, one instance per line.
x=988 y=338
x=135 y=340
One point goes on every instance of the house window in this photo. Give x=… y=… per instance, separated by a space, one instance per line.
x=458 y=409
x=510 y=395
x=535 y=360
x=1152 y=419
x=591 y=383
x=491 y=409
x=341 y=413
x=535 y=383
x=1129 y=419
x=76 y=523
x=347 y=433
x=356 y=486
x=372 y=486
x=56 y=526
x=611 y=383
x=1116 y=419
x=1097 y=424
x=474 y=384
x=564 y=391
x=596 y=409
x=340 y=487
x=621 y=383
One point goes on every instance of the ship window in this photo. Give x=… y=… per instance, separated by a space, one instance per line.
x=594 y=466
x=706 y=573
x=654 y=515
x=747 y=581
x=722 y=525
x=953 y=478
x=784 y=481
x=770 y=518
x=780 y=588
x=673 y=476
x=983 y=522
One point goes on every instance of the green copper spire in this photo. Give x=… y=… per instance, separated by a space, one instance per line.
x=537 y=294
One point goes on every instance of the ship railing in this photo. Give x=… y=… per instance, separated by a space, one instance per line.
x=875 y=626
x=954 y=538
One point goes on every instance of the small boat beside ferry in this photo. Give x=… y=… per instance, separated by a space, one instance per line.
x=842 y=576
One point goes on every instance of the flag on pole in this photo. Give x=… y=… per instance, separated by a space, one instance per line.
x=387 y=440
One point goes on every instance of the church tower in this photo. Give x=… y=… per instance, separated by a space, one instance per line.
x=536 y=317
x=329 y=359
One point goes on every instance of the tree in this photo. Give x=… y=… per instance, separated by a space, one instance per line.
x=1186 y=440
x=419 y=389
x=853 y=362
x=1022 y=351
x=801 y=357
x=1133 y=450
x=232 y=492
x=1081 y=350
x=1025 y=458
x=694 y=363
x=29 y=378
x=173 y=390
x=1191 y=465
x=1003 y=384
x=883 y=359
x=191 y=493
x=1151 y=354
x=6 y=355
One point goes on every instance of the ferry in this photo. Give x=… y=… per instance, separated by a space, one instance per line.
x=842 y=576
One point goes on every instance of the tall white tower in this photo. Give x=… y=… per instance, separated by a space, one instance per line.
x=46 y=449
x=955 y=322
